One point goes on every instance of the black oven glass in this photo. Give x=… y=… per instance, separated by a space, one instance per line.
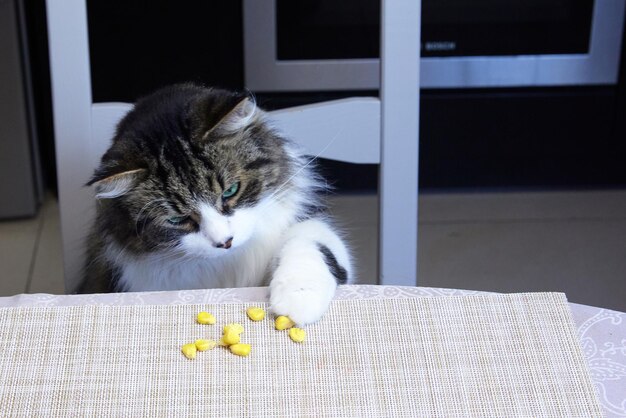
x=331 y=29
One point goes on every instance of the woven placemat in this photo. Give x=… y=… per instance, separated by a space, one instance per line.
x=481 y=355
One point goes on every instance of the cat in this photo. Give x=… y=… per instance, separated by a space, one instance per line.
x=198 y=190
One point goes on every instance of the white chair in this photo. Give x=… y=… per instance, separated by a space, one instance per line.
x=362 y=130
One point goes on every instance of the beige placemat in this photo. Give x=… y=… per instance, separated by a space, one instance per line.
x=482 y=355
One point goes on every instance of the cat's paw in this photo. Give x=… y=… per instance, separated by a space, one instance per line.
x=303 y=298
x=303 y=306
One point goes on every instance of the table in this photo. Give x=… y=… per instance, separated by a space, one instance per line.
x=602 y=332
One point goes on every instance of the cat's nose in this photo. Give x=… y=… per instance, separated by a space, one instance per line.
x=226 y=244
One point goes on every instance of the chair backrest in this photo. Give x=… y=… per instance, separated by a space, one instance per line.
x=346 y=130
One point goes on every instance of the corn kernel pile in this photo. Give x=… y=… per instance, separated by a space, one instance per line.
x=231 y=335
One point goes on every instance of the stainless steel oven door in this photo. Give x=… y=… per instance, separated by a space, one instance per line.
x=264 y=72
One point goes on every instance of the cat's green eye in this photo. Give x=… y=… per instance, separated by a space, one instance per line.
x=231 y=191
x=177 y=220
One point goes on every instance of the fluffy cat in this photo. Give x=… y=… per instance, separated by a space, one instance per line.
x=199 y=191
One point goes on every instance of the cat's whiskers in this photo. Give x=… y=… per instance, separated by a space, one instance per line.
x=141 y=211
x=271 y=203
x=150 y=203
x=277 y=199
x=174 y=258
x=148 y=215
x=120 y=253
x=332 y=141
x=94 y=260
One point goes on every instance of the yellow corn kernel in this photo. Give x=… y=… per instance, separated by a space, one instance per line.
x=205 y=318
x=236 y=328
x=256 y=314
x=240 y=349
x=297 y=334
x=203 y=345
x=189 y=350
x=230 y=337
x=283 y=322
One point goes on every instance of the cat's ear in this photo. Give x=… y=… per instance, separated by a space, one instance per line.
x=115 y=185
x=236 y=119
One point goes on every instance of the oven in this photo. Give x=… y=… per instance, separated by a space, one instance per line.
x=317 y=45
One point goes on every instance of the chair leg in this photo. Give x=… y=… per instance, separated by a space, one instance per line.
x=71 y=103
x=399 y=94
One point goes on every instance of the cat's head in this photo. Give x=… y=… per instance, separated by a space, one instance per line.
x=191 y=169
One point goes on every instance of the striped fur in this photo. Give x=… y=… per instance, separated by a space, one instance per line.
x=166 y=219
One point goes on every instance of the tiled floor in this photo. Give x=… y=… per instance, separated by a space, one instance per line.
x=573 y=242
x=31 y=253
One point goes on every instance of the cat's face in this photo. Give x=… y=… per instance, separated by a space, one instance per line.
x=191 y=170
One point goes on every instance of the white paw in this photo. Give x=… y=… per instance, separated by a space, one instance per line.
x=304 y=297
